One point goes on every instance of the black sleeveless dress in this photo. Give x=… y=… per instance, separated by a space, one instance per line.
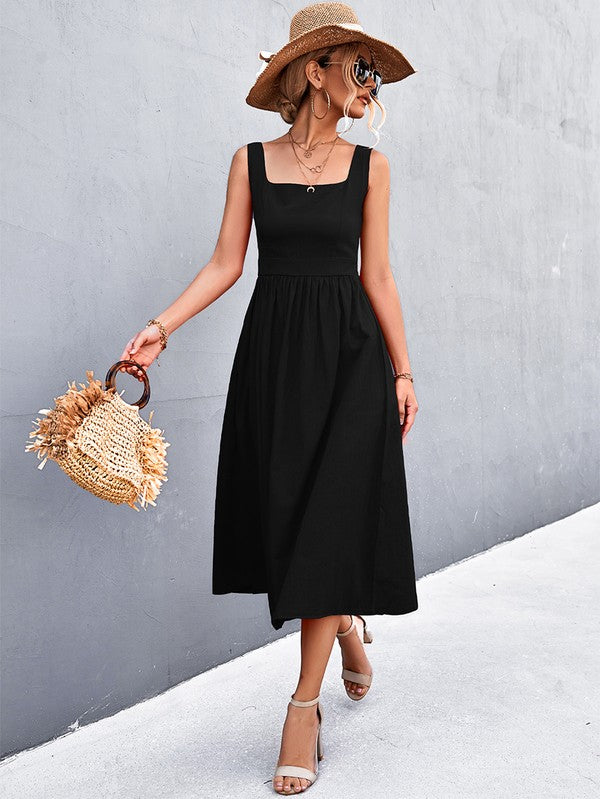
x=311 y=505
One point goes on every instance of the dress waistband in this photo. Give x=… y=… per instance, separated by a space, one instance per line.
x=321 y=265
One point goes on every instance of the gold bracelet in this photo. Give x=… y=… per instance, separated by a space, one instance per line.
x=407 y=375
x=163 y=335
x=162 y=331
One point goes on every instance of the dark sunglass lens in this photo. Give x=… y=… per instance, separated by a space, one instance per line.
x=361 y=71
x=377 y=79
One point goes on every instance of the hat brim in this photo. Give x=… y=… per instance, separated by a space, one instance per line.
x=389 y=61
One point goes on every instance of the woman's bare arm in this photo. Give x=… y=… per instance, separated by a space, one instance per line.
x=227 y=261
x=378 y=280
x=216 y=277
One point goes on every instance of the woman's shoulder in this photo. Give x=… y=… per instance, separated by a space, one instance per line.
x=379 y=164
x=378 y=158
x=239 y=168
x=241 y=155
x=378 y=170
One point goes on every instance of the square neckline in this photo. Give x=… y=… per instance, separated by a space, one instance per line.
x=305 y=185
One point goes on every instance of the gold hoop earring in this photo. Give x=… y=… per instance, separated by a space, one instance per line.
x=312 y=103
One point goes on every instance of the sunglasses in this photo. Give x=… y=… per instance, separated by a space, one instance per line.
x=362 y=71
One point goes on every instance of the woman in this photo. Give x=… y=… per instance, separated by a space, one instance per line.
x=311 y=503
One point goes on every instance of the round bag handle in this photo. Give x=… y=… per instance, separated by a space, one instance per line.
x=109 y=380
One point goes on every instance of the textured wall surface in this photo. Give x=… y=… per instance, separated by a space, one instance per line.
x=118 y=127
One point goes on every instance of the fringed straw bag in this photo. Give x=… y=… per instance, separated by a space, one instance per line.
x=102 y=443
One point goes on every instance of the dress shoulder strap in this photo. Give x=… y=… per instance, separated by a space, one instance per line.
x=364 y=161
x=254 y=165
x=254 y=169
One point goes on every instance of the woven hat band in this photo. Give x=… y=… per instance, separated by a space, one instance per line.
x=351 y=26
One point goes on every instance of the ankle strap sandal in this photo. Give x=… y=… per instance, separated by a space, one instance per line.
x=355 y=676
x=299 y=771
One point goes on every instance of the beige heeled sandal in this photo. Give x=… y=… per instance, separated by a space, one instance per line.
x=355 y=676
x=300 y=771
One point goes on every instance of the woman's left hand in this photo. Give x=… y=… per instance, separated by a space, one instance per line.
x=407 y=404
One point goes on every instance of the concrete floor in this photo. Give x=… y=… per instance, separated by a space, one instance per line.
x=489 y=690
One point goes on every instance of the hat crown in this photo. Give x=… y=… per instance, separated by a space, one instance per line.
x=320 y=14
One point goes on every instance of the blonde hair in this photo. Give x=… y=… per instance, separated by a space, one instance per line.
x=294 y=86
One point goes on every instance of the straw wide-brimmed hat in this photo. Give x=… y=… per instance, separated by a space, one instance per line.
x=316 y=26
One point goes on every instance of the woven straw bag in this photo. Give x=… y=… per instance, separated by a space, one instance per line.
x=102 y=443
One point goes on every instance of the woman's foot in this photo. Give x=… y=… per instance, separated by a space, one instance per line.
x=353 y=653
x=298 y=744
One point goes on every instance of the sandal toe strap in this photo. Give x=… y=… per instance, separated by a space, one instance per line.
x=355 y=676
x=295 y=771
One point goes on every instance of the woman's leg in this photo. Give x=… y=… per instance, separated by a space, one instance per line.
x=300 y=727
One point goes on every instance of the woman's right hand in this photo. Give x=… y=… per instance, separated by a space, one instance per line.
x=143 y=348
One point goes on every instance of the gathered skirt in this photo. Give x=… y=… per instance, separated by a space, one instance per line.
x=311 y=502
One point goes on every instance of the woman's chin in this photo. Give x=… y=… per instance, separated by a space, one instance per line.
x=356 y=110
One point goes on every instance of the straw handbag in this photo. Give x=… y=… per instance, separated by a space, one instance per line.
x=102 y=443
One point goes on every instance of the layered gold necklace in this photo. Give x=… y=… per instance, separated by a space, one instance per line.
x=318 y=168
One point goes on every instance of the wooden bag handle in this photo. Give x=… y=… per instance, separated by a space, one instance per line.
x=109 y=380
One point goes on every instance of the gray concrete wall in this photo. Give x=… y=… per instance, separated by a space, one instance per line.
x=119 y=122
